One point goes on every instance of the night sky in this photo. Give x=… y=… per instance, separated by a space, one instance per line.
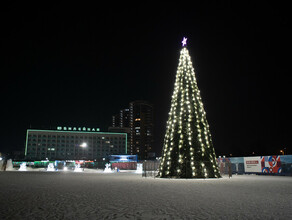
x=78 y=64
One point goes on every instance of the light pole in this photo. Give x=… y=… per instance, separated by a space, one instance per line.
x=84 y=145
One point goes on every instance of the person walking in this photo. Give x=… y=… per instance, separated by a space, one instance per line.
x=4 y=165
x=229 y=170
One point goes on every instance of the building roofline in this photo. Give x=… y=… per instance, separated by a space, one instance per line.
x=80 y=132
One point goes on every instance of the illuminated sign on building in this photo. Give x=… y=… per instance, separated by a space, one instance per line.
x=123 y=158
x=60 y=128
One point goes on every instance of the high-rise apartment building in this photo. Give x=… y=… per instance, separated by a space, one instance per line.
x=122 y=119
x=141 y=128
x=138 y=122
x=121 y=124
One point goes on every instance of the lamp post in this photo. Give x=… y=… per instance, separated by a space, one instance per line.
x=84 y=145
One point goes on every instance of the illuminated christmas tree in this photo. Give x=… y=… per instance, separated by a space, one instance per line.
x=188 y=151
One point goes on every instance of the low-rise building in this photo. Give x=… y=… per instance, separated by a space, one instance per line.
x=73 y=144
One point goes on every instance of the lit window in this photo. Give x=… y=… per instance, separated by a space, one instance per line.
x=137 y=119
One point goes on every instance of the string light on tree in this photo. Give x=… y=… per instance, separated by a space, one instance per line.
x=188 y=151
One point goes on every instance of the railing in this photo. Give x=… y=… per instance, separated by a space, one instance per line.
x=150 y=168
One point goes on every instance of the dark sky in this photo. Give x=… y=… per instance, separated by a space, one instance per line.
x=79 y=64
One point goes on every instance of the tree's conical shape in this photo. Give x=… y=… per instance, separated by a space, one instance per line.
x=188 y=151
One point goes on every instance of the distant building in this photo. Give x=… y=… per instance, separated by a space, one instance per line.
x=126 y=130
x=121 y=120
x=137 y=121
x=73 y=144
x=141 y=125
x=115 y=120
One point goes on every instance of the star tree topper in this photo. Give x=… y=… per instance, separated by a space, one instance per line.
x=184 y=41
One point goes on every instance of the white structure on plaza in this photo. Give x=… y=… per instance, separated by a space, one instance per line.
x=9 y=165
x=107 y=168
x=78 y=168
x=22 y=167
x=139 y=168
x=51 y=167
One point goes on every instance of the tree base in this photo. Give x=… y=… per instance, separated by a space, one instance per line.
x=187 y=177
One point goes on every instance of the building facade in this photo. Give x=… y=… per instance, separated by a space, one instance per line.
x=121 y=120
x=122 y=130
x=73 y=144
x=141 y=128
x=137 y=121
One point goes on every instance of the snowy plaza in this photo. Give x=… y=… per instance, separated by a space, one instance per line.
x=93 y=195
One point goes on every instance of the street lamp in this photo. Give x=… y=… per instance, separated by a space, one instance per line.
x=83 y=145
x=83 y=154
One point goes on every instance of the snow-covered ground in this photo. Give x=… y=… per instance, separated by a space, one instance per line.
x=69 y=195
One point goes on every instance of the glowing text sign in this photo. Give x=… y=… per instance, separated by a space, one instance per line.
x=60 y=128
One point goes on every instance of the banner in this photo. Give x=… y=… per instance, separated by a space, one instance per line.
x=274 y=164
x=271 y=164
x=252 y=164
